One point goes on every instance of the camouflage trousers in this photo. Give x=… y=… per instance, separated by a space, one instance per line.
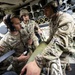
x=55 y=67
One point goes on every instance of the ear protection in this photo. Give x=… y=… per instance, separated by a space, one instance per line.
x=9 y=23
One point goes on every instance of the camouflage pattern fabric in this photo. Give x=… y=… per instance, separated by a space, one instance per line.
x=60 y=40
x=10 y=42
x=30 y=29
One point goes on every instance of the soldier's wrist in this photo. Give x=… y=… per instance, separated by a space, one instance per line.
x=15 y=59
x=38 y=64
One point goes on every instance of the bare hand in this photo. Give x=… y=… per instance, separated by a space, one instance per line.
x=39 y=31
x=23 y=58
x=30 y=41
x=1 y=49
x=31 y=69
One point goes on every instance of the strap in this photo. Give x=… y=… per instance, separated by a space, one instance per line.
x=5 y=56
x=24 y=45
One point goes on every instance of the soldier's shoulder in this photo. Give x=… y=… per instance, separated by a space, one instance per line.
x=65 y=15
x=5 y=38
x=33 y=21
x=7 y=35
x=65 y=18
x=22 y=24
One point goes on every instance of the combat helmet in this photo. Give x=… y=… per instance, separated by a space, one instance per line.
x=54 y=3
x=23 y=12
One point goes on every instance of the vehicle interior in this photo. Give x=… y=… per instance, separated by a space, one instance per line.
x=36 y=13
x=33 y=6
x=13 y=7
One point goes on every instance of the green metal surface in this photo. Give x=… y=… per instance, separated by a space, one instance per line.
x=38 y=50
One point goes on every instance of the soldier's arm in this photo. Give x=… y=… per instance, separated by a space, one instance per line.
x=62 y=41
x=38 y=28
x=3 y=46
x=1 y=50
x=21 y=58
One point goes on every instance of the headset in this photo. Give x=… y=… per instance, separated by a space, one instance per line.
x=9 y=23
x=56 y=9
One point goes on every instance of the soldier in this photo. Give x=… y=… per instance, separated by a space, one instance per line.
x=30 y=25
x=60 y=38
x=16 y=38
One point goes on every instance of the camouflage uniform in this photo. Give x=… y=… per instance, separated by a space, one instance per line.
x=10 y=42
x=61 y=39
x=30 y=26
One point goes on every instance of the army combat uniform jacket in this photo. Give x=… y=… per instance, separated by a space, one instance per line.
x=13 y=42
x=30 y=26
x=60 y=39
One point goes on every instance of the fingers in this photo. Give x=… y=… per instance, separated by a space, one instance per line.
x=1 y=49
x=23 y=70
x=30 y=41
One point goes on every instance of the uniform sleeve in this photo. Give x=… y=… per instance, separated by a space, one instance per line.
x=3 y=44
x=36 y=25
x=37 y=28
x=61 y=42
x=32 y=33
